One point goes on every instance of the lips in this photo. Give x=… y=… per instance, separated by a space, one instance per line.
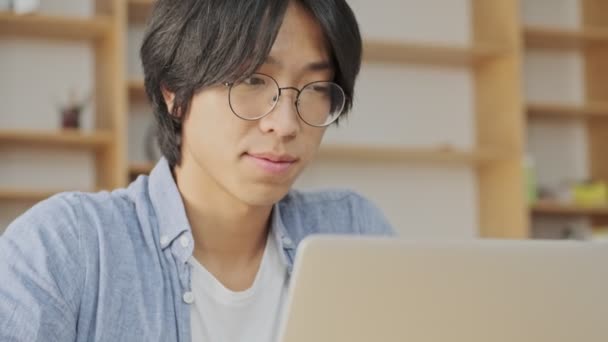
x=275 y=164
x=276 y=158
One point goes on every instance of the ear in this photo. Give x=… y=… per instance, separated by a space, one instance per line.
x=169 y=98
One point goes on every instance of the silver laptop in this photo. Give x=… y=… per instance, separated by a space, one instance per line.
x=359 y=289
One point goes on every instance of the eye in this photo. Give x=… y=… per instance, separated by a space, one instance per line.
x=321 y=89
x=254 y=81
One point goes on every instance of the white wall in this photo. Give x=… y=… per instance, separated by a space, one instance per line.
x=421 y=201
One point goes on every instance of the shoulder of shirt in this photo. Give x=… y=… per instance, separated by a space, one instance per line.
x=333 y=211
x=75 y=211
x=60 y=210
x=51 y=228
x=93 y=205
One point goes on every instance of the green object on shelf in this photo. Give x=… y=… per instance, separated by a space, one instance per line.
x=530 y=180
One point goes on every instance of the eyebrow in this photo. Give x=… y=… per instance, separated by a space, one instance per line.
x=314 y=66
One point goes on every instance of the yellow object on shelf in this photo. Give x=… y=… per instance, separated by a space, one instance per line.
x=593 y=194
x=600 y=233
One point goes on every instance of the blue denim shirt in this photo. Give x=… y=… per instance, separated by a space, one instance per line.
x=112 y=266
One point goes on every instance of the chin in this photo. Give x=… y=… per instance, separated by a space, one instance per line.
x=263 y=194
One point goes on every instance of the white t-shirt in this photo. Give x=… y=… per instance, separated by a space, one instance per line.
x=221 y=315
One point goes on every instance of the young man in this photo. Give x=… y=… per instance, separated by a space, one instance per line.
x=202 y=249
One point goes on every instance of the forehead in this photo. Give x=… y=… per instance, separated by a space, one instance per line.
x=300 y=37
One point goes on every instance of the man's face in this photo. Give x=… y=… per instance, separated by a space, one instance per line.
x=257 y=162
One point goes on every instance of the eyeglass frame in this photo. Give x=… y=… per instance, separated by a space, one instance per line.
x=230 y=86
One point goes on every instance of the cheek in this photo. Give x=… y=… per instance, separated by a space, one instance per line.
x=311 y=138
x=212 y=129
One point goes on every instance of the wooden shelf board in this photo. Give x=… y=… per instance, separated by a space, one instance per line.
x=548 y=110
x=54 y=27
x=431 y=54
x=140 y=168
x=401 y=154
x=25 y=195
x=557 y=209
x=139 y=10
x=555 y=38
x=50 y=139
x=136 y=90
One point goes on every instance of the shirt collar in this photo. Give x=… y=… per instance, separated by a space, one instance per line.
x=171 y=214
x=282 y=238
x=167 y=203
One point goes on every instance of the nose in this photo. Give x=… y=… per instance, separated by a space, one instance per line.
x=283 y=120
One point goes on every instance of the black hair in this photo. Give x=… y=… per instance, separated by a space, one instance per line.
x=192 y=44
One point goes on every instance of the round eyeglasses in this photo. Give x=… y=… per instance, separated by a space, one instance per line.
x=318 y=104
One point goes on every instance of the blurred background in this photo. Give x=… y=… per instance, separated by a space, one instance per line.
x=472 y=118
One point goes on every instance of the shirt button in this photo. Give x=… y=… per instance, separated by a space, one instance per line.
x=184 y=241
x=188 y=297
x=164 y=240
x=287 y=242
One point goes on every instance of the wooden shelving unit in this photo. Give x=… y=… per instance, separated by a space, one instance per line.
x=104 y=33
x=54 y=27
x=592 y=41
x=595 y=15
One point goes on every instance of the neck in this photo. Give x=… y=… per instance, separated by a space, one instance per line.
x=226 y=231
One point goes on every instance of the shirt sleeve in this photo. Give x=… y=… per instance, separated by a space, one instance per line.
x=41 y=273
